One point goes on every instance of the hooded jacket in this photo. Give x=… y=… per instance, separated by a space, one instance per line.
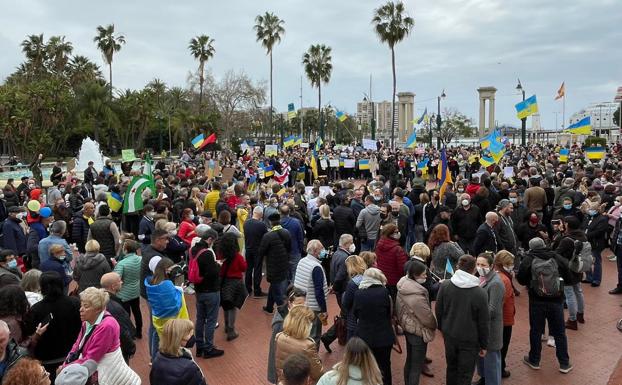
x=413 y=309
x=89 y=270
x=391 y=259
x=566 y=249
x=368 y=221
x=462 y=310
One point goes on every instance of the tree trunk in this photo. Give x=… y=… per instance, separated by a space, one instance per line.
x=110 y=76
x=393 y=101
x=270 y=120
x=201 y=80
x=319 y=109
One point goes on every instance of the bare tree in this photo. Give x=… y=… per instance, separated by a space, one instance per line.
x=455 y=124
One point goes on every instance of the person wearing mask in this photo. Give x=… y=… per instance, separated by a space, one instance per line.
x=14 y=235
x=98 y=340
x=420 y=232
x=82 y=220
x=106 y=232
x=176 y=248
x=297 y=235
x=8 y=266
x=596 y=234
x=358 y=366
x=111 y=282
x=532 y=228
x=356 y=267
x=295 y=297
x=566 y=190
x=519 y=212
x=187 y=226
x=464 y=221
x=275 y=248
x=174 y=364
x=443 y=250
x=545 y=301
x=207 y=292
x=57 y=231
x=505 y=230
x=295 y=338
x=254 y=230
x=567 y=247
x=232 y=291
x=311 y=278
x=463 y=317
x=486 y=236
x=416 y=318
x=339 y=279
x=57 y=263
x=128 y=270
x=368 y=223
x=146 y=225
x=372 y=308
x=504 y=266
x=489 y=366
x=30 y=285
x=391 y=257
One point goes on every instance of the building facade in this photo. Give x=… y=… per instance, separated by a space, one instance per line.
x=601 y=118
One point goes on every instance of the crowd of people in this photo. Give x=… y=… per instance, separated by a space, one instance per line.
x=405 y=255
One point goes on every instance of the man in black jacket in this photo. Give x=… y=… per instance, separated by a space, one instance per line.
x=597 y=229
x=344 y=218
x=207 y=292
x=486 y=235
x=465 y=220
x=549 y=309
x=111 y=282
x=254 y=230
x=462 y=315
x=10 y=351
x=276 y=249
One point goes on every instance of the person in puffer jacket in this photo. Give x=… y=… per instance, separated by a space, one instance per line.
x=416 y=318
x=368 y=223
x=391 y=257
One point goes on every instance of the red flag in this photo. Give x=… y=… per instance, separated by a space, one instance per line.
x=210 y=139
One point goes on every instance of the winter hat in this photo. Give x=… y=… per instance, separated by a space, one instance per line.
x=76 y=374
x=35 y=194
x=536 y=244
x=153 y=263
x=45 y=212
x=34 y=205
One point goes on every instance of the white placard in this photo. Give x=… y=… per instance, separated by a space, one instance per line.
x=334 y=162
x=369 y=144
x=272 y=149
x=323 y=163
x=508 y=172
x=349 y=163
x=304 y=145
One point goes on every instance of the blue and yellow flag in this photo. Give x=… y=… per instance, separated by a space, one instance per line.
x=412 y=140
x=425 y=113
x=486 y=140
x=495 y=147
x=341 y=116
x=318 y=144
x=563 y=154
x=582 y=127
x=268 y=170
x=527 y=107
x=595 y=153
x=363 y=164
x=444 y=175
x=252 y=183
x=423 y=166
x=486 y=161
x=197 y=141
x=289 y=141
x=298 y=140
x=115 y=201
x=291 y=111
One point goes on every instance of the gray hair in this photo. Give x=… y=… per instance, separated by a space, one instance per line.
x=4 y=327
x=58 y=227
x=345 y=238
x=258 y=210
x=313 y=246
x=375 y=273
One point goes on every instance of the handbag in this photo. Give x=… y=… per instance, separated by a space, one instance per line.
x=394 y=325
x=341 y=330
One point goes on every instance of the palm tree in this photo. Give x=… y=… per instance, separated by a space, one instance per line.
x=318 y=67
x=108 y=43
x=202 y=49
x=35 y=50
x=269 y=29
x=58 y=51
x=81 y=70
x=392 y=25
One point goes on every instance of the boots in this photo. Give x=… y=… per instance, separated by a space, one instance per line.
x=572 y=325
x=580 y=318
x=232 y=334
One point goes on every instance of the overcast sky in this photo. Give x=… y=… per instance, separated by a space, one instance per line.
x=456 y=45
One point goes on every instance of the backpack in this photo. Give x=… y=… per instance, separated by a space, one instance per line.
x=545 y=280
x=582 y=258
x=194 y=275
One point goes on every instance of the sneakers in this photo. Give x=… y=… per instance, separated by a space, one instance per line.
x=213 y=353
x=565 y=368
x=616 y=291
x=551 y=342
x=572 y=325
x=533 y=366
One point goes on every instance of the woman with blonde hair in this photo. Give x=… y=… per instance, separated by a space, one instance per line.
x=295 y=338
x=90 y=267
x=369 y=257
x=174 y=364
x=98 y=340
x=358 y=367
x=356 y=267
x=324 y=228
x=372 y=309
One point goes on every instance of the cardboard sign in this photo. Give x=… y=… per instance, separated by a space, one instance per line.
x=508 y=172
x=212 y=169
x=272 y=149
x=71 y=165
x=128 y=155
x=369 y=144
x=349 y=163
x=227 y=174
x=334 y=162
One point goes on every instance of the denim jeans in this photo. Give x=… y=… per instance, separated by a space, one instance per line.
x=553 y=313
x=596 y=274
x=575 y=301
x=293 y=265
x=415 y=358
x=207 y=316
x=489 y=367
x=368 y=245
x=276 y=294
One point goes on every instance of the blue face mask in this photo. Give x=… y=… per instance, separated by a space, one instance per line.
x=592 y=212
x=323 y=254
x=567 y=207
x=12 y=264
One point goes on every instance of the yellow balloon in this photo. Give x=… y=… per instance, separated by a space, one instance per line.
x=34 y=206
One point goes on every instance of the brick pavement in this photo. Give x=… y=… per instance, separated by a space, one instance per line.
x=594 y=348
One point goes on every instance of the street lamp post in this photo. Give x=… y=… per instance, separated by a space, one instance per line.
x=523 y=132
x=430 y=127
x=439 y=120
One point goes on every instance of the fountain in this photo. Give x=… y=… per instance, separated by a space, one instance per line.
x=89 y=151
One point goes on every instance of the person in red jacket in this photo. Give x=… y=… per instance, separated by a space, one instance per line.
x=232 y=289
x=473 y=186
x=391 y=257
x=504 y=265
x=187 y=226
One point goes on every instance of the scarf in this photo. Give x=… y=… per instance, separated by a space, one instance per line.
x=369 y=281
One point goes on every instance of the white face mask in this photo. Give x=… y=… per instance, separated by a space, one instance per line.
x=421 y=281
x=20 y=215
x=396 y=235
x=509 y=269
x=483 y=271
x=352 y=248
x=191 y=217
x=465 y=202
x=616 y=203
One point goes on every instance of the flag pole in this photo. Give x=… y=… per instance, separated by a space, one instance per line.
x=301 y=111
x=564 y=111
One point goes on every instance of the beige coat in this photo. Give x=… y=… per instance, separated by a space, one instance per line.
x=413 y=309
x=286 y=346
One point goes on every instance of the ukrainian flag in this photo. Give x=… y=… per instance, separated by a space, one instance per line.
x=298 y=140
x=198 y=141
x=495 y=147
x=341 y=116
x=291 y=111
x=595 y=153
x=527 y=107
x=497 y=155
x=318 y=144
x=313 y=165
x=289 y=141
x=486 y=140
x=423 y=166
x=425 y=113
x=412 y=140
x=268 y=171
x=563 y=155
x=582 y=127
x=444 y=175
x=364 y=164
x=486 y=161
x=115 y=201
